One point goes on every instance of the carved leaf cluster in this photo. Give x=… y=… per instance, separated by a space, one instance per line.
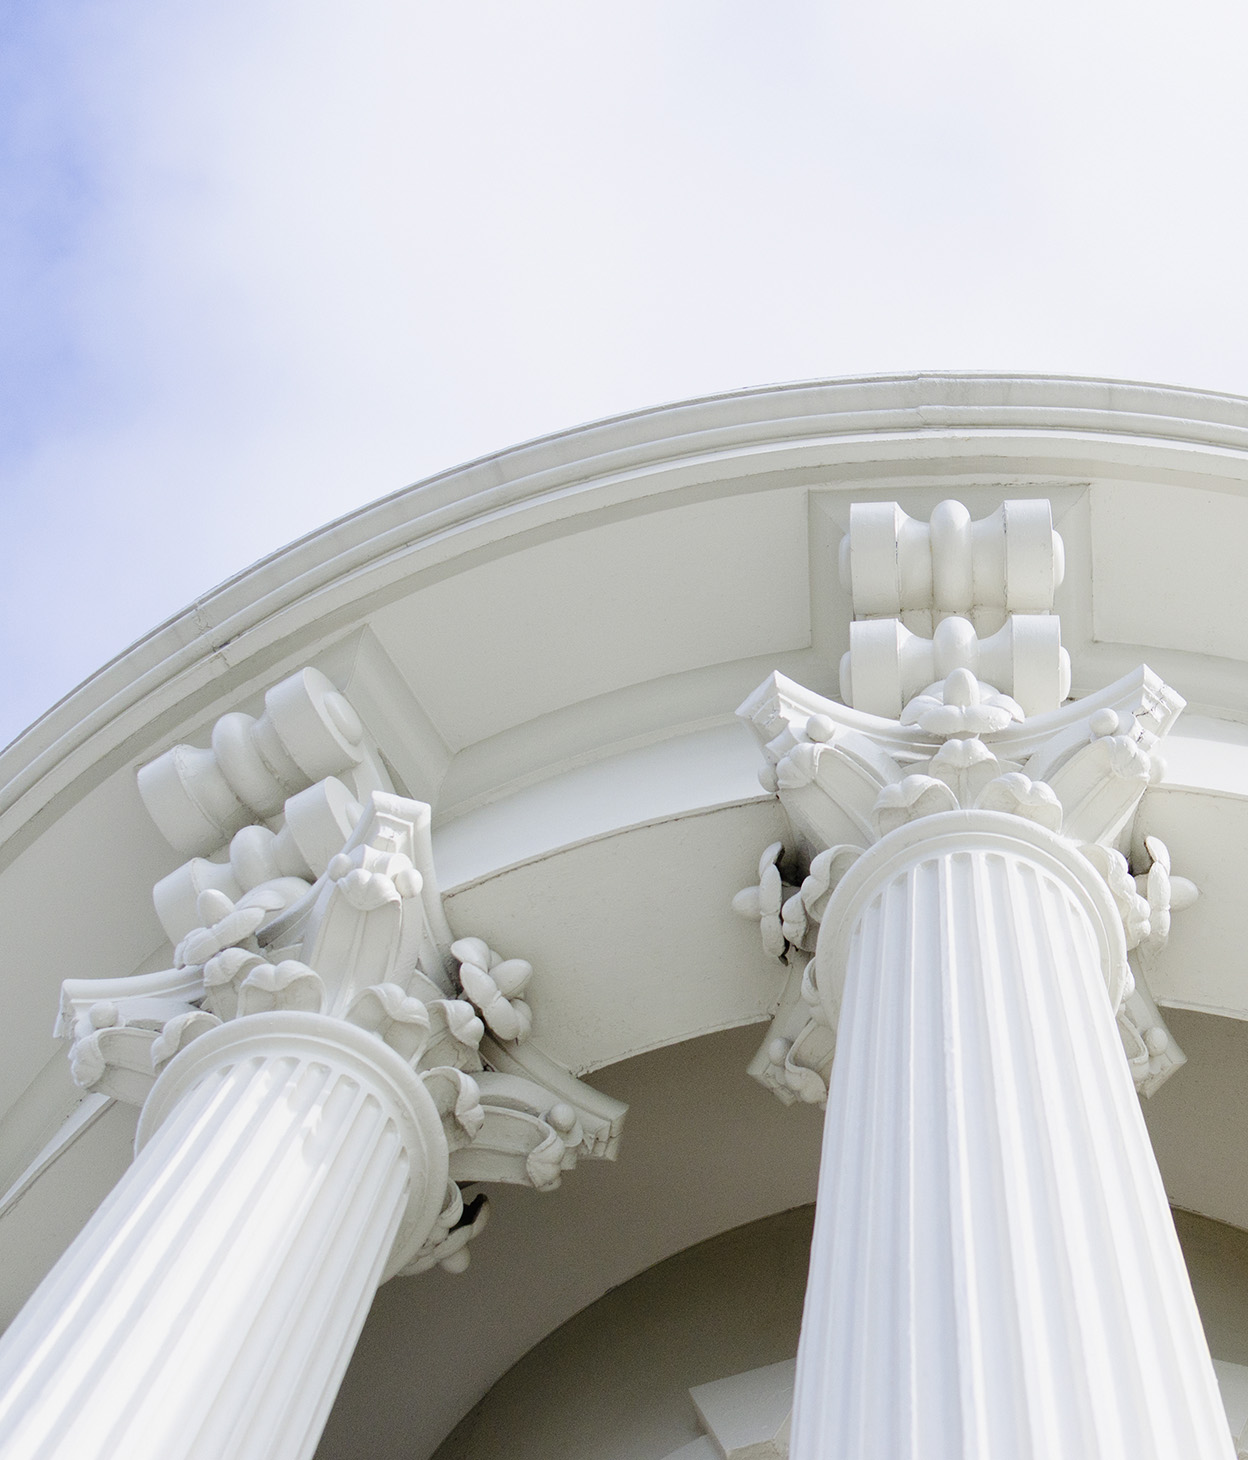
x=364 y=943
x=836 y=772
x=494 y=984
x=796 y=1056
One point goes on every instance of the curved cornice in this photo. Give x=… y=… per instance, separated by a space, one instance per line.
x=254 y=621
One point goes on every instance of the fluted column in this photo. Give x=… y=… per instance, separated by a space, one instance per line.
x=295 y=1154
x=994 y=1271
x=208 y=1310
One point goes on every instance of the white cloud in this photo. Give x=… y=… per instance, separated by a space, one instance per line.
x=275 y=259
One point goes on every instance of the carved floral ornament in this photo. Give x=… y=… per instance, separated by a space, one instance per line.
x=329 y=905
x=847 y=777
x=310 y=887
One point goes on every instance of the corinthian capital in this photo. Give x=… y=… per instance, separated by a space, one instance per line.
x=1003 y=745
x=330 y=908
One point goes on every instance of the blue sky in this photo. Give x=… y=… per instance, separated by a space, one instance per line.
x=261 y=263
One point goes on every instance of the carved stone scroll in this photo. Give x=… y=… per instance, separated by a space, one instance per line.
x=332 y=909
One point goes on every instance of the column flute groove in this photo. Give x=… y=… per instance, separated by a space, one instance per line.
x=223 y=1285
x=321 y=1071
x=1026 y=1161
x=994 y=1271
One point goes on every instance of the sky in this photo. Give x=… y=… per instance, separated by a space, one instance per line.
x=262 y=262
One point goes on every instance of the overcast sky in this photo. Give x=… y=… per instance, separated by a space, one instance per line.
x=265 y=261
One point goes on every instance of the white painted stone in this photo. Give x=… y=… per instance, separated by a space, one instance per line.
x=201 y=798
x=994 y=1269
x=74 y=906
x=747 y=1416
x=955 y=866
x=211 y=1305
x=310 y=1112
x=887 y=665
x=639 y=576
x=1008 y=562
x=739 y=1410
x=1181 y=588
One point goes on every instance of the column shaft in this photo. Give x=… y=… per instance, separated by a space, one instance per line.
x=210 y=1307
x=994 y=1270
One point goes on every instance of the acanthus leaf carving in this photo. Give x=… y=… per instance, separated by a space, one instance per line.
x=1020 y=796
x=455 y=1034
x=1077 y=769
x=114 y=1060
x=1100 y=787
x=961 y=705
x=226 y=924
x=795 y=1058
x=599 y=1117
x=796 y=1055
x=493 y=985
x=803 y=911
x=178 y=1032
x=458 y=1223
x=355 y=926
x=121 y=1048
x=392 y=1013
x=765 y=903
x=333 y=908
x=912 y=797
x=805 y=1061
x=524 y=1137
x=458 y=1099
x=1164 y=893
x=223 y=976
x=285 y=985
x=967 y=767
x=1152 y=1054
x=826 y=870
x=1132 y=908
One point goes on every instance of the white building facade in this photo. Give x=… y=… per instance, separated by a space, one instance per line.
x=555 y=842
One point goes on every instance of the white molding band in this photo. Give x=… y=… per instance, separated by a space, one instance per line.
x=945 y=422
x=949 y=833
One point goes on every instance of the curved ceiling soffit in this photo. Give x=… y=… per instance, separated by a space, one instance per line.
x=258 y=622
x=241 y=636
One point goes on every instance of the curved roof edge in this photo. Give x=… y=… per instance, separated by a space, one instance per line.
x=192 y=651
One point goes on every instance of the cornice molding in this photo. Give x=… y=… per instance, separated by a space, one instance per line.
x=256 y=624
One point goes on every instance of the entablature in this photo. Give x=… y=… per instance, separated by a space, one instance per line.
x=546 y=648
